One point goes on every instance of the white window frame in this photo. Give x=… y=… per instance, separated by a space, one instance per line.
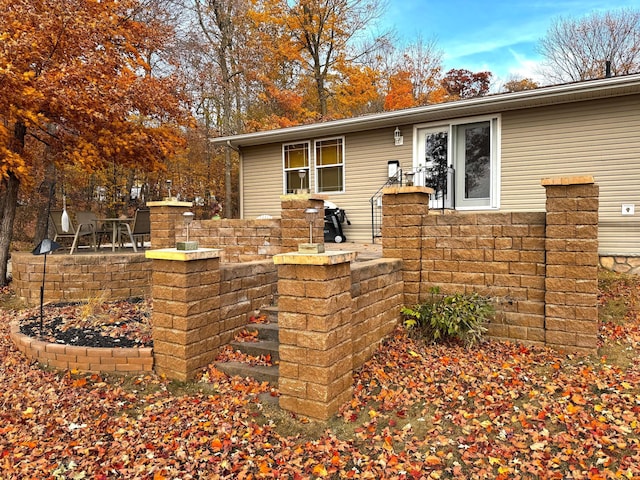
x=495 y=122
x=316 y=167
x=286 y=170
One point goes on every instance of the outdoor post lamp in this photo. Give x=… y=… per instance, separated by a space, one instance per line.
x=188 y=245
x=302 y=173
x=409 y=178
x=310 y=216
x=169 y=189
x=45 y=247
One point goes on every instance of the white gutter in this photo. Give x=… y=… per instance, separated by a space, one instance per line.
x=556 y=94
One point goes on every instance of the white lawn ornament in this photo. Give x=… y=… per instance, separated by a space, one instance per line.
x=65 y=216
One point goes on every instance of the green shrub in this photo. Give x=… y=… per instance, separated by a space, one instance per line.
x=449 y=317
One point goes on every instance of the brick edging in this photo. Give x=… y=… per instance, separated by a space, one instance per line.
x=83 y=359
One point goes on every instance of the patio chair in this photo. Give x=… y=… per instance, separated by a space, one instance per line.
x=75 y=233
x=141 y=228
x=90 y=218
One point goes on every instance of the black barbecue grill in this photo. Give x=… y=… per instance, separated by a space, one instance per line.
x=334 y=217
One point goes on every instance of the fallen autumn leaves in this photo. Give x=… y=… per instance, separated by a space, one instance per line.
x=498 y=410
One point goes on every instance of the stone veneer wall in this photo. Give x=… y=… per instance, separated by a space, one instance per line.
x=621 y=264
x=80 y=277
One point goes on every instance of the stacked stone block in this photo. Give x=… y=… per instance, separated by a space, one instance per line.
x=500 y=255
x=241 y=240
x=540 y=268
x=294 y=225
x=572 y=263
x=81 y=277
x=244 y=289
x=315 y=307
x=167 y=222
x=186 y=311
x=376 y=292
x=404 y=212
x=84 y=359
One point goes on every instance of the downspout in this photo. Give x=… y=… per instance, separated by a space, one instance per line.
x=230 y=145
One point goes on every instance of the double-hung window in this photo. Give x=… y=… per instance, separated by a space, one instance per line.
x=329 y=165
x=460 y=161
x=295 y=158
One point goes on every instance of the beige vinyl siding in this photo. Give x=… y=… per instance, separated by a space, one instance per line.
x=366 y=157
x=598 y=138
x=262 y=177
x=367 y=154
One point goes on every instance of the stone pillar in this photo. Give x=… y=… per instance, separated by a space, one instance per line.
x=166 y=219
x=315 y=307
x=295 y=227
x=186 y=310
x=403 y=215
x=571 y=283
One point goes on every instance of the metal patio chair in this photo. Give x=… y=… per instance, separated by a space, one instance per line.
x=76 y=233
x=141 y=227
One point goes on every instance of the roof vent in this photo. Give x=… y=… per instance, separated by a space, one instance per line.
x=607 y=69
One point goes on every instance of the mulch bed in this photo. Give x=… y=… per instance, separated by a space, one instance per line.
x=122 y=323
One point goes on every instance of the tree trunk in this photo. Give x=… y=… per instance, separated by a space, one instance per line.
x=9 y=201
x=8 y=204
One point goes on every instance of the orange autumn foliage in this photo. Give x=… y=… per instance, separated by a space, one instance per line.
x=400 y=93
x=75 y=76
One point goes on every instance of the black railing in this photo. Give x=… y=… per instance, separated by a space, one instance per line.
x=376 y=205
x=440 y=182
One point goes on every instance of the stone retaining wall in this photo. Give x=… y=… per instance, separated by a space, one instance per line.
x=79 y=277
x=244 y=289
x=376 y=295
x=85 y=359
x=501 y=255
x=540 y=268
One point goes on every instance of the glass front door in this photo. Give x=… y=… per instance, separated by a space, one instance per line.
x=433 y=164
x=473 y=164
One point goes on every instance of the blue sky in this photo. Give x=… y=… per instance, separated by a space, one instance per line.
x=499 y=36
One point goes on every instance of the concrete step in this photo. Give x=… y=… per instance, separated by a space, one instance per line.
x=267 y=344
x=260 y=373
x=261 y=347
x=271 y=313
x=266 y=331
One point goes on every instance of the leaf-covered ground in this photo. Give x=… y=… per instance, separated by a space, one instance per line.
x=498 y=410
